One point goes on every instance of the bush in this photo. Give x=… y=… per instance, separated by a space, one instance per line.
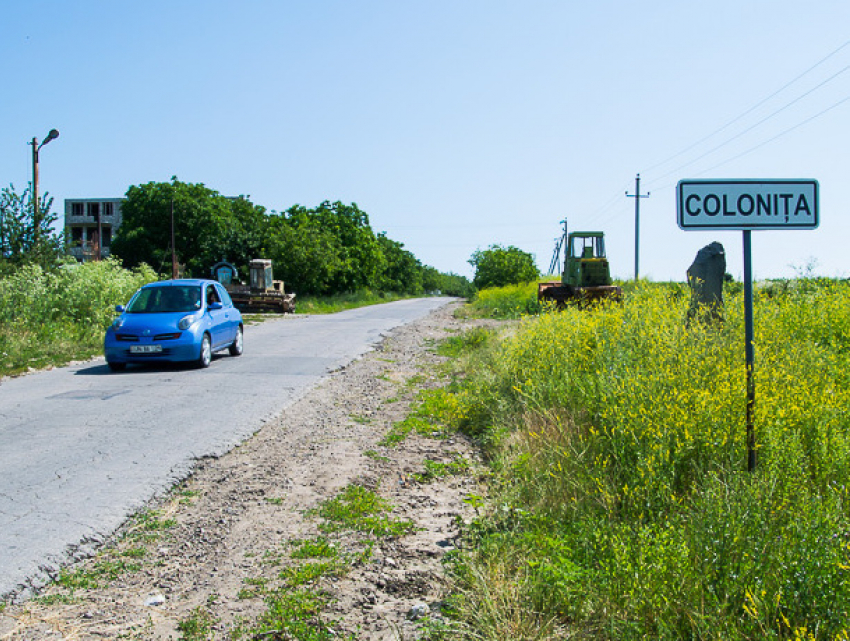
x=54 y=316
x=499 y=266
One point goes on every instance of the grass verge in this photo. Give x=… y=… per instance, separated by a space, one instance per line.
x=622 y=508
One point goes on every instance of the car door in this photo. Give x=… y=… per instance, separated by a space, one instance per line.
x=218 y=316
x=231 y=317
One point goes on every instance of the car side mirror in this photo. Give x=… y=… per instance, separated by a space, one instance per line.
x=119 y=309
x=215 y=305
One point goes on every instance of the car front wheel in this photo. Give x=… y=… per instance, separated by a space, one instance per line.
x=117 y=367
x=236 y=345
x=205 y=358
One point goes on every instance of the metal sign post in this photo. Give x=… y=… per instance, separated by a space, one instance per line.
x=747 y=205
x=750 y=351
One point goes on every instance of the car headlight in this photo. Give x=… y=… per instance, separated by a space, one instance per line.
x=117 y=323
x=187 y=321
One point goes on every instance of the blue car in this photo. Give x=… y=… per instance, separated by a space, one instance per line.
x=174 y=320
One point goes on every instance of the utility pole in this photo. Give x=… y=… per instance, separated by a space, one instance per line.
x=637 y=196
x=174 y=271
x=556 y=255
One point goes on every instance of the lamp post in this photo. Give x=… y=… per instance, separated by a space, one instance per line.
x=36 y=215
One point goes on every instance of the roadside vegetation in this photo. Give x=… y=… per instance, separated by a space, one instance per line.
x=53 y=316
x=508 y=302
x=53 y=310
x=621 y=507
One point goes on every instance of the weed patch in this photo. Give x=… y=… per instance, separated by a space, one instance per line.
x=99 y=573
x=436 y=470
x=359 y=509
x=198 y=626
x=372 y=454
x=147 y=526
x=294 y=601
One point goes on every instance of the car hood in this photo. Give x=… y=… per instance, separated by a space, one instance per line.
x=155 y=323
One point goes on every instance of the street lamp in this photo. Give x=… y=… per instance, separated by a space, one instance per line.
x=36 y=218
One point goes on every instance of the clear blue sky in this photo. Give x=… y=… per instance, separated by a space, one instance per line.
x=455 y=124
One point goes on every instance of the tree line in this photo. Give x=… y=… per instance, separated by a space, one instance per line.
x=323 y=250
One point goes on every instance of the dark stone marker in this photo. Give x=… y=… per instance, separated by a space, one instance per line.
x=705 y=277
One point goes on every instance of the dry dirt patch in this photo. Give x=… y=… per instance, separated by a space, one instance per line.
x=227 y=530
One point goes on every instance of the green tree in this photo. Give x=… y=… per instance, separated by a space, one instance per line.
x=363 y=262
x=207 y=227
x=448 y=284
x=22 y=239
x=402 y=272
x=329 y=249
x=305 y=256
x=499 y=266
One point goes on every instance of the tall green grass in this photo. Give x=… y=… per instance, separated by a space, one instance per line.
x=623 y=508
x=50 y=317
x=512 y=301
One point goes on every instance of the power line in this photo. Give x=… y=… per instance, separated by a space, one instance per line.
x=779 y=135
x=753 y=126
x=765 y=142
x=751 y=109
x=615 y=200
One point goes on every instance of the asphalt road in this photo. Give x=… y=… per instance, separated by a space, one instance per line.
x=82 y=448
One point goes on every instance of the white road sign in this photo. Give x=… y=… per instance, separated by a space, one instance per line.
x=747 y=204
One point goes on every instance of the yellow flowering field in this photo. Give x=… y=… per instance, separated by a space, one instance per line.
x=624 y=509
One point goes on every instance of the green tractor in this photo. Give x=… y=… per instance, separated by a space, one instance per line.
x=586 y=277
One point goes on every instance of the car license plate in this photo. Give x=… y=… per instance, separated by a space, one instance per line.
x=145 y=349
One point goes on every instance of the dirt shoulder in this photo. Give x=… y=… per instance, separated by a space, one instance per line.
x=202 y=561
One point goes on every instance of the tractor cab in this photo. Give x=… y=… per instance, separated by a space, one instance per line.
x=586 y=264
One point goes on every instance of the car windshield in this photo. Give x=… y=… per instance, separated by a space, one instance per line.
x=173 y=298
